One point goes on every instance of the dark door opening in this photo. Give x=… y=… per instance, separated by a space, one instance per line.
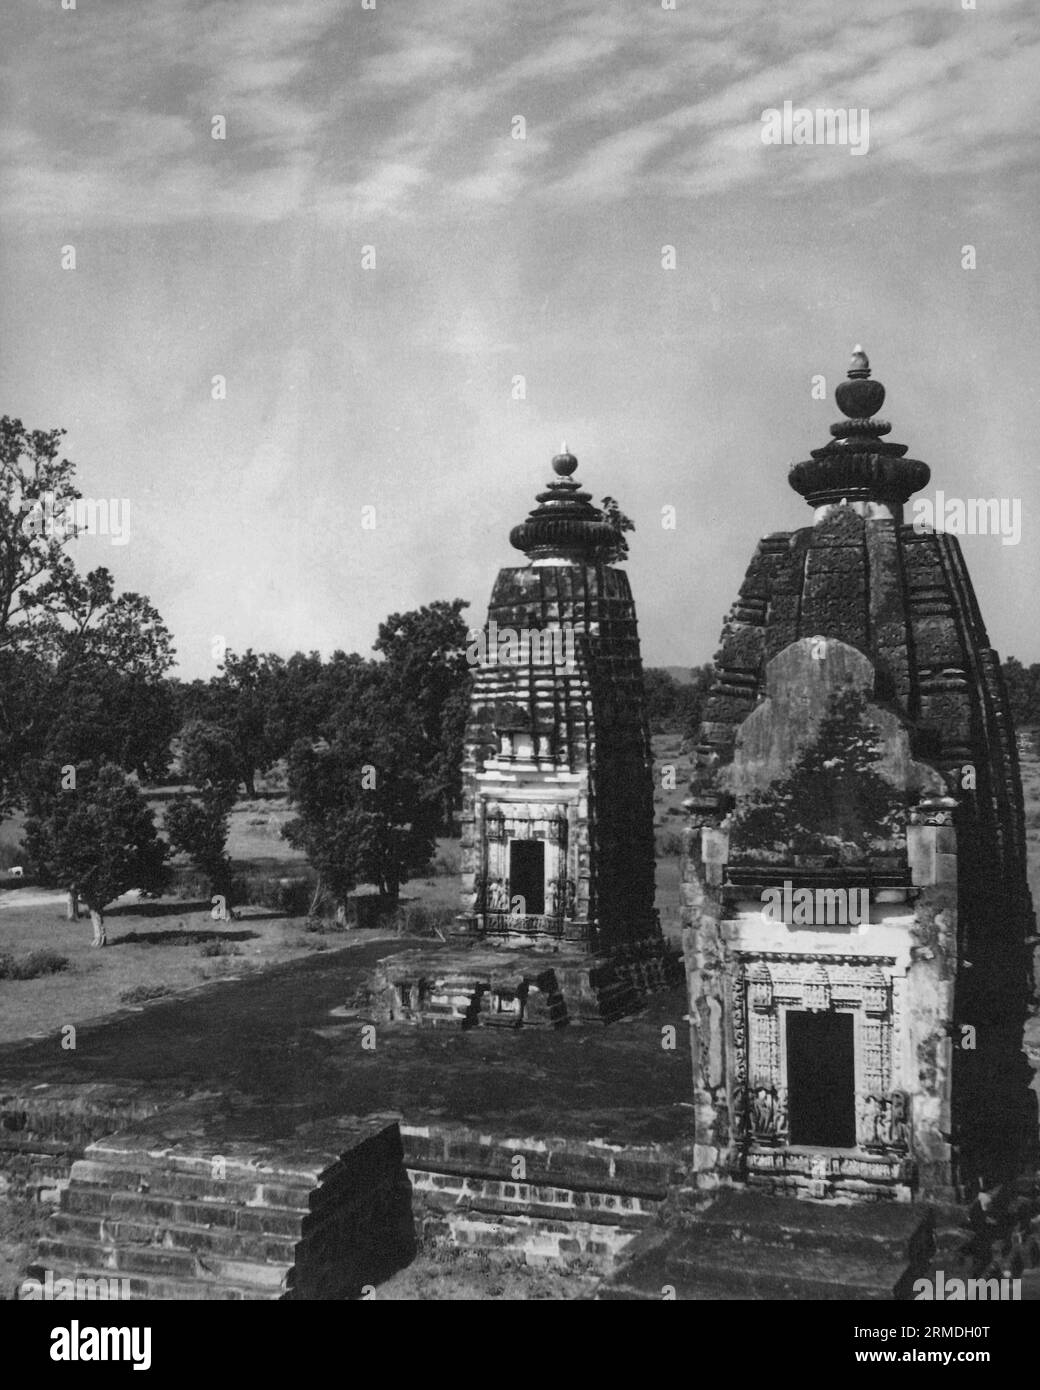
x=527 y=875
x=821 y=1079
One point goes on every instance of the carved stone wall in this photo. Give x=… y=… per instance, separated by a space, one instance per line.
x=559 y=750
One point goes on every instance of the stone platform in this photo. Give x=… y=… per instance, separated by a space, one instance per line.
x=742 y=1245
x=515 y=987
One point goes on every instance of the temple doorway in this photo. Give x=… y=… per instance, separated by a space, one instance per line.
x=527 y=875
x=821 y=1079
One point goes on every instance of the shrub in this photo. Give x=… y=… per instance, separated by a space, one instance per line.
x=448 y=861
x=669 y=843
x=188 y=884
x=420 y=919
x=220 y=948
x=323 y=926
x=32 y=966
x=144 y=994
x=291 y=896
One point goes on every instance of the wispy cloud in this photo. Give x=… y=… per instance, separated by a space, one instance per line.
x=354 y=114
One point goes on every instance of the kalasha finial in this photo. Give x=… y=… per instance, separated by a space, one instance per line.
x=565 y=527
x=860 y=364
x=859 y=464
x=859 y=398
x=564 y=463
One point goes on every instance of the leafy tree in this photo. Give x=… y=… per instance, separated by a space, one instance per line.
x=79 y=664
x=366 y=810
x=240 y=699
x=36 y=572
x=833 y=801
x=1023 y=687
x=622 y=523
x=673 y=705
x=198 y=825
x=424 y=652
x=96 y=839
x=692 y=698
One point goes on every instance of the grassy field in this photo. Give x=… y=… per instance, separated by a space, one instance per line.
x=161 y=948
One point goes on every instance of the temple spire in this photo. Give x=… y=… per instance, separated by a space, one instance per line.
x=859 y=465
x=565 y=528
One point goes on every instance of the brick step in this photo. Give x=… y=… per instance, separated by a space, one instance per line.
x=585 y=1175
x=12 y=1144
x=128 y=1234
x=148 y=1287
x=552 y=1215
x=176 y=1264
x=580 y=1209
x=158 y=1181
x=770 y=1272
x=83 y=1200
x=133 y=1148
x=711 y=1273
x=873 y=1231
x=538 y=1242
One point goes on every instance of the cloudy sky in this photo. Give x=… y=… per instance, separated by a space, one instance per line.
x=393 y=385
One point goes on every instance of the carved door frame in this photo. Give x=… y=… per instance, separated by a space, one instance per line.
x=765 y=988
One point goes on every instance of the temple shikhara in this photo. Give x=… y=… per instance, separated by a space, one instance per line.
x=557 y=827
x=558 y=920
x=857 y=919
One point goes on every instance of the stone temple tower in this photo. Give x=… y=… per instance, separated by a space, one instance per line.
x=557 y=823
x=857 y=920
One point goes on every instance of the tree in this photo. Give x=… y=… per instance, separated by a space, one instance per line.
x=240 y=700
x=425 y=665
x=692 y=698
x=366 y=810
x=1023 y=688
x=673 y=705
x=622 y=523
x=97 y=839
x=36 y=488
x=80 y=666
x=198 y=825
x=833 y=801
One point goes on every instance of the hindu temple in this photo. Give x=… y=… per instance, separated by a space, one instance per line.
x=857 y=920
x=558 y=803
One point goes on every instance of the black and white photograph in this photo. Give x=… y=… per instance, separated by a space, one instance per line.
x=519 y=665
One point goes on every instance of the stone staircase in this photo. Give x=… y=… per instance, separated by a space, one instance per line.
x=314 y=1217
x=539 y=1201
x=743 y=1245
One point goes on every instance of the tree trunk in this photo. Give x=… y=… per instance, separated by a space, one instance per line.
x=72 y=906
x=317 y=898
x=97 y=921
